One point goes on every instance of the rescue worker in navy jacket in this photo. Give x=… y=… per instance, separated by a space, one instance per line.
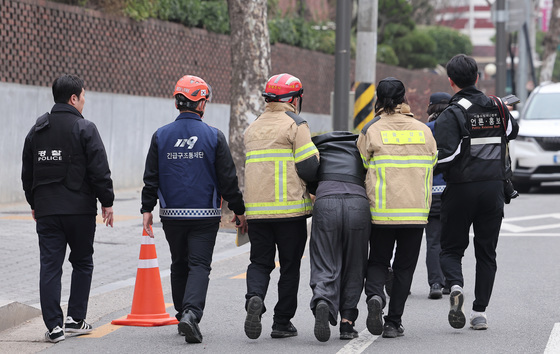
x=472 y=139
x=189 y=168
x=338 y=247
x=65 y=170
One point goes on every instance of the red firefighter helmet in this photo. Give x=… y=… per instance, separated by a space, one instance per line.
x=282 y=87
x=193 y=88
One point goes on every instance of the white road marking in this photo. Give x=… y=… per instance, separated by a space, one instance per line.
x=358 y=345
x=553 y=345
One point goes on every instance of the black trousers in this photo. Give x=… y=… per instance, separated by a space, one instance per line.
x=55 y=232
x=480 y=204
x=338 y=250
x=290 y=238
x=191 y=244
x=433 y=249
x=382 y=242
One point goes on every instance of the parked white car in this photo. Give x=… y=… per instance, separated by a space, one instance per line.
x=536 y=151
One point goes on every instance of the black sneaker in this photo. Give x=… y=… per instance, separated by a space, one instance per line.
x=322 y=329
x=253 y=327
x=55 y=335
x=391 y=331
x=435 y=291
x=445 y=291
x=283 y=330
x=456 y=315
x=189 y=326
x=73 y=326
x=347 y=331
x=374 y=321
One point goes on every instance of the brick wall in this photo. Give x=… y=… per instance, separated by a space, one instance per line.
x=42 y=39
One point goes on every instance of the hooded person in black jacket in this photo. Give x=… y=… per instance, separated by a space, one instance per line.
x=65 y=170
x=338 y=246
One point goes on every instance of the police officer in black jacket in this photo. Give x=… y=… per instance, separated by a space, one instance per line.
x=340 y=233
x=472 y=136
x=65 y=171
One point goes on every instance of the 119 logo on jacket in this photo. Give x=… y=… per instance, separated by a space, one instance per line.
x=55 y=155
x=190 y=142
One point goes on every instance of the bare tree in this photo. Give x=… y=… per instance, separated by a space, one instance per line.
x=250 y=59
x=550 y=43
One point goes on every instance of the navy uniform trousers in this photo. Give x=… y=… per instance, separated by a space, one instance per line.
x=55 y=233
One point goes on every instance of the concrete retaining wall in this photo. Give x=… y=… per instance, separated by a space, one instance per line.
x=126 y=124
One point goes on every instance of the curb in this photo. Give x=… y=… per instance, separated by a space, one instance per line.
x=14 y=313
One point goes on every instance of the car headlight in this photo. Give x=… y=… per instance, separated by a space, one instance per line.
x=528 y=139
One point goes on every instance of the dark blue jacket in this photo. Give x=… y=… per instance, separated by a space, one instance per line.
x=189 y=167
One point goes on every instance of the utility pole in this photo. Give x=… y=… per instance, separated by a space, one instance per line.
x=501 y=44
x=366 y=55
x=342 y=64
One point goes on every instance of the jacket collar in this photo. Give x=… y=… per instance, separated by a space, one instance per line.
x=468 y=91
x=402 y=108
x=280 y=106
x=65 y=108
x=188 y=115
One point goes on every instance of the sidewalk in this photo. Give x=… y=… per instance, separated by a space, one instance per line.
x=115 y=258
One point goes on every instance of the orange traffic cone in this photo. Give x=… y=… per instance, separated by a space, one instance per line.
x=148 y=306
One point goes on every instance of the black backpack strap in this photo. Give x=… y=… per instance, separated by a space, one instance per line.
x=502 y=109
x=366 y=127
x=296 y=118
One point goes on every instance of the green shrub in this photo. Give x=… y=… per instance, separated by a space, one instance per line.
x=416 y=50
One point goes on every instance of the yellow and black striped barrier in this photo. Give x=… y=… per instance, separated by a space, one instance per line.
x=363 y=104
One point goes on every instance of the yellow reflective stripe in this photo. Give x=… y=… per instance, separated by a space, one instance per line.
x=278 y=207
x=269 y=155
x=413 y=214
x=305 y=151
x=402 y=137
x=280 y=181
x=380 y=188
x=401 y=161
x=427 y=187
x=365 y=161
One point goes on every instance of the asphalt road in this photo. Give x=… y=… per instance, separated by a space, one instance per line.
x=524 y=313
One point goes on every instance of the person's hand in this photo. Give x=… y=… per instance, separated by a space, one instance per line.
x=33 y=215
x=240 y=223
x=107 y=214
x=147 y=223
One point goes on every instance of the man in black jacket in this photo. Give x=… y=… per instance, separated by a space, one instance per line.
x=65 y=171
x=472 y=135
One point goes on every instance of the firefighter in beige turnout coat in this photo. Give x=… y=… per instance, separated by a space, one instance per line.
x=399 y=153
x=281 y=159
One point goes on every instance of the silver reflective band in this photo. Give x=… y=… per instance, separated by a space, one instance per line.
x=450 y=158
x=278 y=207
x=438 y=189
x=147 y=240
x=400 y=214
x=270 y=155
x=484 y=141
x=147 y=263
x=189 y=213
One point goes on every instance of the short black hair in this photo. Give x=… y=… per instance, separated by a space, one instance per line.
x=184 y=104
x=462 y=70
x=65 y=86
